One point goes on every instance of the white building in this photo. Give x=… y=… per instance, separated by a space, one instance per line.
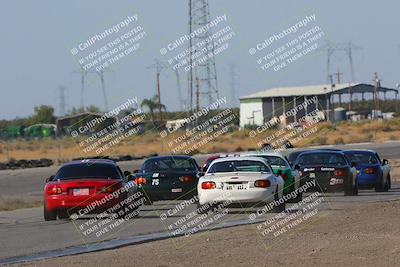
x=261 y=107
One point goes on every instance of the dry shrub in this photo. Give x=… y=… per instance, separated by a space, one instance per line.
x=339 y=141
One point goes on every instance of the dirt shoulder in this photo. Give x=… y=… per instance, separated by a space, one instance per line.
x=356 y=235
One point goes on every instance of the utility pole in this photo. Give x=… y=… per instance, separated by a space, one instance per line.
x=83 y=73
x=103 y=89
x=197 y=94
x=178 y=85
x=234 y=76
x=62 y=100
x=190 y=74
x=338 y=74
x=159 y=66
x=377 y=85
x=331 y=96
x=159 y=96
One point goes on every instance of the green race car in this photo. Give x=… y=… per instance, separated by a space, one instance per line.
x=280 y=166
x=167 y=178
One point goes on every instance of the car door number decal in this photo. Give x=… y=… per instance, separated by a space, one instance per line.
x=155 y=182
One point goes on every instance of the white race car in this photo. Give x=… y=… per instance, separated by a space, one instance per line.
x=240 y=182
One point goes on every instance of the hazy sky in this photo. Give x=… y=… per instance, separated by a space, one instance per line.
x=37 y=36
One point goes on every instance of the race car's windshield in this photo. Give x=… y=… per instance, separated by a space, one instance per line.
x=90 y=171
x=362 y=158
x=322 y=159
x=238 y=166
x=274 y=161
x=169 y=164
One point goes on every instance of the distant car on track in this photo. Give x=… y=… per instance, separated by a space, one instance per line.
x=281 y=167
x=79 y=184
x=240 y=180
x=372 y=171
x=167 y=178
x=331 y=170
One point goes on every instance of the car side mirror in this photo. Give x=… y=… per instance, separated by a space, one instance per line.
x=50 y=178
x=200 y=174
x=297 y=167
x=385 y=162
x=135 y=171
x=353 y=164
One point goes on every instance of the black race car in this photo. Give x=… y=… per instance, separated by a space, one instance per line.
x=330 y=169
x=167 y=178
x=292 y=156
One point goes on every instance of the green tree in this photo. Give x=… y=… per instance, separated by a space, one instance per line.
x=43 y=114
x=91 y=108
x=152 y=105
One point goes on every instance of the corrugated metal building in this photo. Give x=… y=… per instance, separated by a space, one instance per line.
x=261 y=107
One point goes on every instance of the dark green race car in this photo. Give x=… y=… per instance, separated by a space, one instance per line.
x=167 y=178
x=280 y=166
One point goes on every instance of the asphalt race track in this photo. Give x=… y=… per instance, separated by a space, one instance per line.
x=23 y=232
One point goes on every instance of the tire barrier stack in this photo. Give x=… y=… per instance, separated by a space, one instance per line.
x=35 y=163
x=23 y=164
x=119 y=158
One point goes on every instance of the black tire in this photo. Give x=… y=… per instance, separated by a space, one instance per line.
x=63 y=215
x=148 y=201
x=298 y=198
x=121 y=212
x=282 y=206
x=379 y=187
x=49 y=215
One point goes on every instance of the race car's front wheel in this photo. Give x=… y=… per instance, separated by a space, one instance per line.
x=280 y=204
x=49 y=215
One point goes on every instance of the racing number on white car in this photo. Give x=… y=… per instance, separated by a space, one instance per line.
x=155 y=182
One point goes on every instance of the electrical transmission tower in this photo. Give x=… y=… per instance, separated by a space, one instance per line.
x=205 y=71
x=347 y=48
x=83 y=73
x=62 y=100
x=103 y=88
x=103 y=85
